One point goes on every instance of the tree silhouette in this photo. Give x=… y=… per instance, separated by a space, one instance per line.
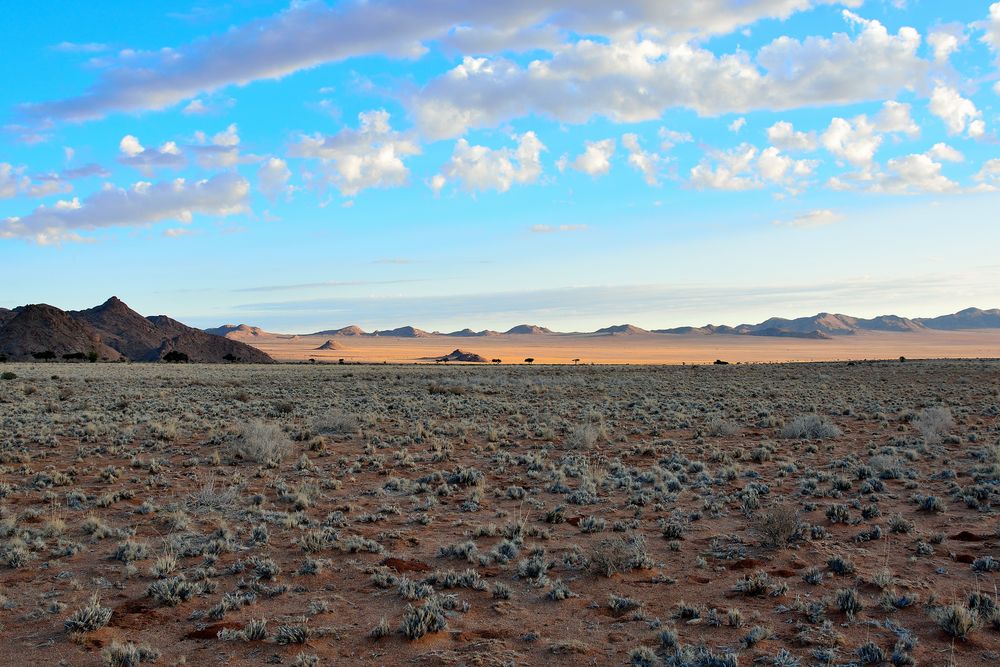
x=529 y=360
x=47 y=355
x=174 y=356
x=497 y=361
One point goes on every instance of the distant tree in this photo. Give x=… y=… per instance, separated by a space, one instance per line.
x=902 y=360
x=47 y=355
x=74 y=356
x=92 y=356
x=720 y=362
x=312 y=360
x=3 y=358
x=340 y=361
x=576 y=361
x=175 y=356
x=229 y=356
x=529 y=360
x=497 y=361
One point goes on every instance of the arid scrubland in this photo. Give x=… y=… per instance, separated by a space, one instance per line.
x=318 y=515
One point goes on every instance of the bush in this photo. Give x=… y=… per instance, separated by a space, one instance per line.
x=620 y=554
x=7 y=375
x=175 y=356
x=261 y=443
x=89 y=618
x=956 y=620
x=778 y=527
x=934 y=423
x=813 y=427
x=336 y=422
x=128 y=655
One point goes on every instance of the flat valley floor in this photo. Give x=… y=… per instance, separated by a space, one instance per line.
x=644 y=348
x=554 y=515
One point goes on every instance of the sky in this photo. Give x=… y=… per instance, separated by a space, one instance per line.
x=447 y=164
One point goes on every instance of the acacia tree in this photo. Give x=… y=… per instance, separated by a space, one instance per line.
x=529 y=360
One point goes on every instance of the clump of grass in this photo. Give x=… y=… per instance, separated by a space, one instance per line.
x=261 y=443
x=619 y=604
x=419 y=621
x=812 y=427
x=778 y=527
x=956 y=620
x=173 y=591
x=128 y=655
x=291 y=634
x=620 y=554
x=89 y=618
x=849 y=601
x=335 y=422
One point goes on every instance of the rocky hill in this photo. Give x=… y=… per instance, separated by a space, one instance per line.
x=113 y=331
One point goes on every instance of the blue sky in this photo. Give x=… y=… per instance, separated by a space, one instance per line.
x=448 y=164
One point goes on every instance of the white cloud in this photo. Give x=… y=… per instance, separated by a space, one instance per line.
x=148 y=160
x=595 y=160
x=784 y=136
x=957 y=112
x=737 y=124
x=552 y=229
x=478 y=168
x=913 y=174
x=991 y=28
x=732 y=170
x=633 y=81
x=273 y=176
x=221 y=151
x=852 y=140
x=14 y=182
x=816 y=218
x=308 y=34
x=671 y=138
x=646 y=162
x=371 y=156
x=143 y=203
x=895 y=118
x=989 y=175
x=946 y=40
x=195 y=108
x=945 y=153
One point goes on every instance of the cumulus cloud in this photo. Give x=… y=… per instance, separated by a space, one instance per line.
x=633 y=81
x=371 y=156
x=221 y=151
x=478 y=168
x=989 y=175
x=784 y=136
x=945 y=153
x=816 y=218
x=147 y=160
x=957 y=112
x=311 y=33
x=595 y=160
x=914 y=174
x=852 y=140
x=895 y=118
x=732 y=170
x=747 y=168
x=15 y=182
x=991 y=28
x=646 y=162
x=273 y=176
x=946 y=40
x=143 y=203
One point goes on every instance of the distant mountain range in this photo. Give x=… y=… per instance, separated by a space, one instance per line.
x=819 y=326
x=111 y=331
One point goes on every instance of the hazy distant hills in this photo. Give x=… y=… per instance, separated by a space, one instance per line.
x=817 y=327
x=970 y=318
x=112 y=331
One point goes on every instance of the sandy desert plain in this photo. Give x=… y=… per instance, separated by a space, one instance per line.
x=795 y=514
x=641 y=348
